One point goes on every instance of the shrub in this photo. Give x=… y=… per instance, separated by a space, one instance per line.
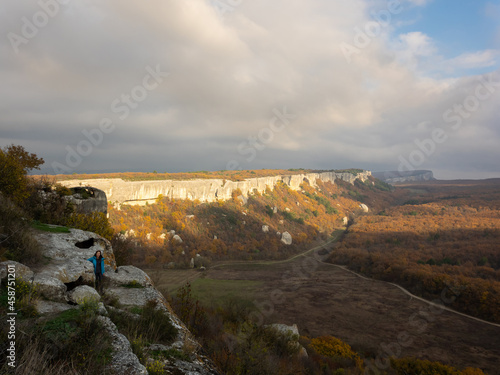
x=18 y=242
x=96 y=222
x=153 y=325
x=67 y=343
x=15 y=163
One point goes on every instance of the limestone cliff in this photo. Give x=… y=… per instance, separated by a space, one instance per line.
x=204 y=190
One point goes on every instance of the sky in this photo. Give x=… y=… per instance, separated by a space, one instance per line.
x=191 y=85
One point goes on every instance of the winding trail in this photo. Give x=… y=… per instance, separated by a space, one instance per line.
x=321 y=259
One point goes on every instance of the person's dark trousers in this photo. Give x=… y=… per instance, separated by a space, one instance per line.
x=98 y=282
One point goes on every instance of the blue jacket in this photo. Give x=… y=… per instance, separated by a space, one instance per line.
x=94 y=262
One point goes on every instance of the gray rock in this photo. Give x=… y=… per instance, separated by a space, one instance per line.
x=68 y=253
x=265 y=228
x=82 y=294
x=20 y=270
x=102 y=310
x=243 y=200
x=123 y=361
x=177 y=238
x=49 y=307
x=128 y=274
x=292 y=334
x=88 y=199
x=364 y=207
x=286 y=238
x=51 y=288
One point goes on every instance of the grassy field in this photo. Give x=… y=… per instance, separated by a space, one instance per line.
x=216 y=293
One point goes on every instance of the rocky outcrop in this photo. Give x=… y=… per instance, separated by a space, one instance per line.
x=396 y=177
x=68 y=253
x=66 y=281
x=124 y=361
x=88 y=199
x=204 y=190
x=291 y=334
x=364 y=207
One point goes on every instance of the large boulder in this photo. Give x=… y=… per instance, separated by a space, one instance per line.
x=82 y=294
x=129 y=276
x=51 y=288
x=291 y=334
x=286 y=238
x=364 y=207
x=265 y=228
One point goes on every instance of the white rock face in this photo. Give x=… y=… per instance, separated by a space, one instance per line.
x=345 y=220
x=68 y=254
x=364 y=207
x=205 y=190
x=82 y=294
x=286 y=238
x=265 y=228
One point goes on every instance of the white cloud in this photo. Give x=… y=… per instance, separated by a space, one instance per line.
x=474 y=60
x=226 y=77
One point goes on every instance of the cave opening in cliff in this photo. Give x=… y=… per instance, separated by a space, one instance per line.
x=87 y=244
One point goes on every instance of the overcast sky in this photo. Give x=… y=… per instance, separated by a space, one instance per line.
x=171 y=85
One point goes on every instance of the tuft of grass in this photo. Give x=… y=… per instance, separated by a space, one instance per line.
x=49 y=228
x=133 y=284
x=152 y=326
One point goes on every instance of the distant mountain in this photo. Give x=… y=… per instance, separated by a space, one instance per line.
x=396 y=177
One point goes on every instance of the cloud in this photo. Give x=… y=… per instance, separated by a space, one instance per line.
x=227 y=77
x=479 y=59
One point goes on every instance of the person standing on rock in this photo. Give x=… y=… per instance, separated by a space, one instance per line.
x=98 y=262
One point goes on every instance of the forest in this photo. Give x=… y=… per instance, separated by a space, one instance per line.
x=442 y=241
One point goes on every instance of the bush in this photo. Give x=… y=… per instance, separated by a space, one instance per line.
x=16 y=236
x=68 y=343
x=153 y=325
x=96 y=222
x=15 y=163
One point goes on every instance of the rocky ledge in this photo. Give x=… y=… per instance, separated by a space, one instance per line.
x=66 y=281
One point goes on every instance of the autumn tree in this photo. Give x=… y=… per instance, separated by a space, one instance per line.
x=15 y=163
